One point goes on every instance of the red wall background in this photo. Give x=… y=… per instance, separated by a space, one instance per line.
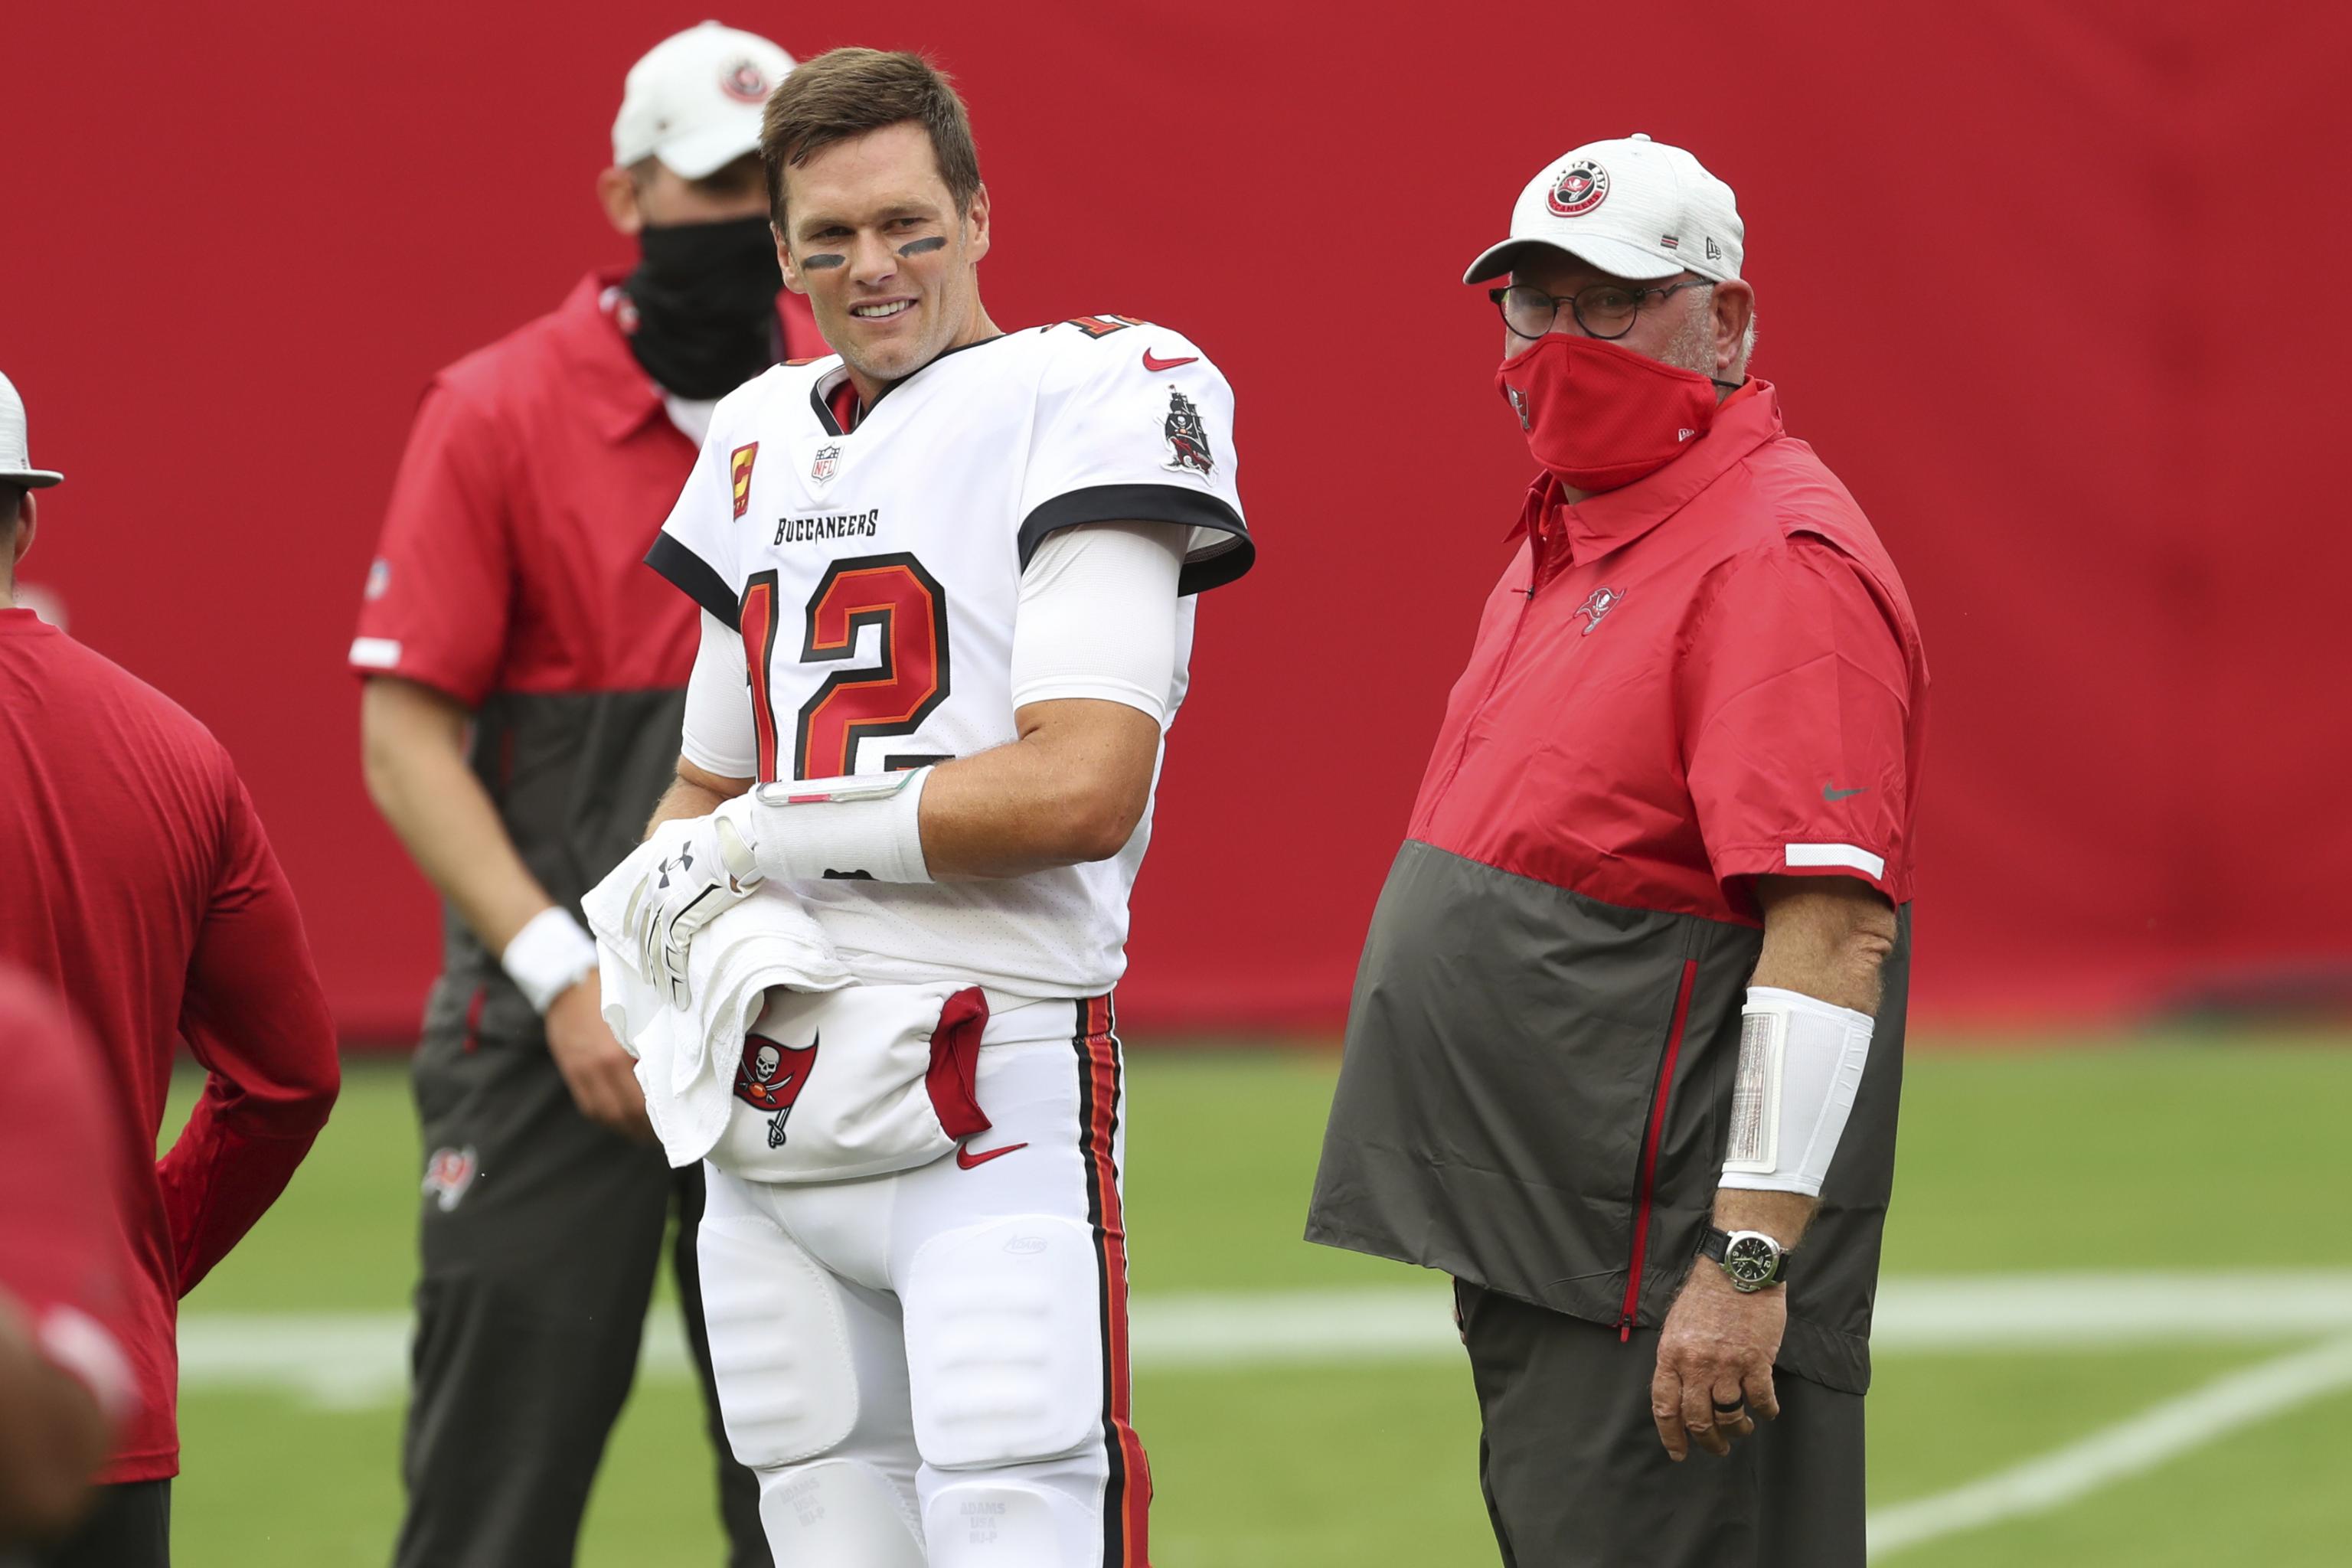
x=2050 y=285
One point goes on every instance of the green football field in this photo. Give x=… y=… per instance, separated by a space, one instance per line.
x=2117 y=1329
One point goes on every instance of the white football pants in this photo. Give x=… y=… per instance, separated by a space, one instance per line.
x=930 y=1369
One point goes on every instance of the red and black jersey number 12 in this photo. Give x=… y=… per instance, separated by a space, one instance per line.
x=895 y=593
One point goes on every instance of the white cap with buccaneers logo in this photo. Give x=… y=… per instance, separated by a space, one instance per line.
x=1637 y=208
x=694 y=101
x=16 y=458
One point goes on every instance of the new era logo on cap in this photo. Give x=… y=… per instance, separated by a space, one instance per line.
x=1634 y=207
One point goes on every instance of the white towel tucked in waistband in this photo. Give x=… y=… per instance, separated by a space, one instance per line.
x=784 y=1069
x=856 y=1082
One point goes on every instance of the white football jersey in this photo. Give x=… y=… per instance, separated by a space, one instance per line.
x=874 y=574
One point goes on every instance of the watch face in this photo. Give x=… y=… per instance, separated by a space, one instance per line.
x=1751 y=1260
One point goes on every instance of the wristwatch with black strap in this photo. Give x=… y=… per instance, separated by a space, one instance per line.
x=1750 y=1260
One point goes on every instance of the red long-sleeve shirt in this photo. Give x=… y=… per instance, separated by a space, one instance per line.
x=141 y=886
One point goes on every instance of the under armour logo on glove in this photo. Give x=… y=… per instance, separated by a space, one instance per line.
x=676 y=899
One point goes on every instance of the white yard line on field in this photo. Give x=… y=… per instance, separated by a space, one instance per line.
x=2116 y=1453
x=2122 y=1311
x=361 y=1359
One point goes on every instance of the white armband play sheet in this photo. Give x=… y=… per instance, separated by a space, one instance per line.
x=1801 y=1064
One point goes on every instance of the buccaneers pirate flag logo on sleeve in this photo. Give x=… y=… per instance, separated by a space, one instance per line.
x=1187 y=438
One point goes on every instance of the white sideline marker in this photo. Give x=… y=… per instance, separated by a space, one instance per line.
x=349 y=1359
x=2162 y=1432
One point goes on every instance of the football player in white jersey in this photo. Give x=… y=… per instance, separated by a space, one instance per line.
x=947 y=578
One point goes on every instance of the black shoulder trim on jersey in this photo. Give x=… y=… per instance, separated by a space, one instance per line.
x=694 y=578
x=1151 y=503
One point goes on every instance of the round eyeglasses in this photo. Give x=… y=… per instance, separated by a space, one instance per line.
x=1602 y=310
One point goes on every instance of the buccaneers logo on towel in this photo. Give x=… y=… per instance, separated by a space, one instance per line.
x=1187 y=438
x=771 y=1077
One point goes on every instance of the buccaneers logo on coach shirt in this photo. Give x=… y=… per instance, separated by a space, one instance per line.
x=448 y=1172
x=770 y=1078
x=1601 y=603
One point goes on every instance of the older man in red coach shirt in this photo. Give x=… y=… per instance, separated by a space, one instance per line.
x=1626 y=1041
x=141 y=887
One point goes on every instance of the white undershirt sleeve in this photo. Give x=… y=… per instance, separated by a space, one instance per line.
x=719 y=737
x=1098 y=617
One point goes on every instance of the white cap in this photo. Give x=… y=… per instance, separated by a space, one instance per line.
x=16 y=461
x=694 y=101
x=1637 y=208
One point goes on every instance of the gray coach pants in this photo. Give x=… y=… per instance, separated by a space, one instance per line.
x=542 y=1235
x=1575 y=1476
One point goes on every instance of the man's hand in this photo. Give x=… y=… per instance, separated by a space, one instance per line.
x=1715 y=1363
x=704 y=865
x=53 y=1436
x=600 y=1073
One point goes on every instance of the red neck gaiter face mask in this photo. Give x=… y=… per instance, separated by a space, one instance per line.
x=1599 y=416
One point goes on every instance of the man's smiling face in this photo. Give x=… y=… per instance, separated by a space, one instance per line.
x=873 y=238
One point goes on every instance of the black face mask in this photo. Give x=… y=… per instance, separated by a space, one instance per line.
x=706 y=300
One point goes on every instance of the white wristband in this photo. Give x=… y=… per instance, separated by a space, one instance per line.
x=868 y=827
x=1800 y=1062
x=549 y=955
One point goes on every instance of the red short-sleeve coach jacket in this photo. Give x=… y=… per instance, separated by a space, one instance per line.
x=1707 y=676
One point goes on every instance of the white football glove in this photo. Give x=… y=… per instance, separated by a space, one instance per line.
x=705 y=866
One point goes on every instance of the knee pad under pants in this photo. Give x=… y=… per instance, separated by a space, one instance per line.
x=839 y=1513
x=780 y=1341
x=813 y=1388
x=1004 y=1349
x=1005 y=1361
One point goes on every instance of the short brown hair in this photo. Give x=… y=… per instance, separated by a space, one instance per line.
x=847 y=92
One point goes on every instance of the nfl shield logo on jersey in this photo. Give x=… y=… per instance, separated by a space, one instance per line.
x=1187 y=438
x=828 y=458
